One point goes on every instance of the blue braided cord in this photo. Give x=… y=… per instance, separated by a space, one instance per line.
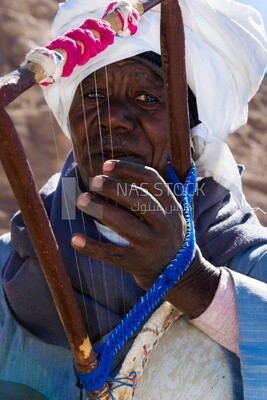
x=96 y=379
x=123 y=381
x=120 y=382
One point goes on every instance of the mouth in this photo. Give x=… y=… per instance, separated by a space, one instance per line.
x=118 y=154
x=115 y=154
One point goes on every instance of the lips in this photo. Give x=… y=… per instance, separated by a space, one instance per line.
x=118 y=155
x=114 y=153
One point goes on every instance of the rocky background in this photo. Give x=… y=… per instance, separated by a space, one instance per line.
x=25 y=24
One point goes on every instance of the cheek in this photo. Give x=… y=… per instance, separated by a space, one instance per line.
x=80 y=158
x=158 y=137
x=161 y=152
x=79 y=142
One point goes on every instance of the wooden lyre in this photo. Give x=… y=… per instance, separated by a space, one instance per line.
x=19 y=172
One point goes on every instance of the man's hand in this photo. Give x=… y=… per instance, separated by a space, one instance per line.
x=135 y=202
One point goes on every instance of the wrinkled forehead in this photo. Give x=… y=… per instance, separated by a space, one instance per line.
x=143 y=63
x=127 y=74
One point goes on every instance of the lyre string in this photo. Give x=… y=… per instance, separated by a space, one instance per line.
x=70 y=226
x=109 y=115
x=82 y=214
x=83 y=224
x=103 y=159
x=67 y=205
x=68 y=212
x=112 y=155
x=99 y=120
x=111 y=142
x=86 y=131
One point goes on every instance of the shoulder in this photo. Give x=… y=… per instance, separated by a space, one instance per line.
x=251 y=262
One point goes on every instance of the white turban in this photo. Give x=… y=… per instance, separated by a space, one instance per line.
x=226 y=56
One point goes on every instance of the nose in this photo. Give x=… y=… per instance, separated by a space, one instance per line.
x=116 y=116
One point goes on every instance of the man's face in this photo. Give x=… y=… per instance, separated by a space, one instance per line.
x=119 y=113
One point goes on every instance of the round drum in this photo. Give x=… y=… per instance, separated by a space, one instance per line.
x=185 y=365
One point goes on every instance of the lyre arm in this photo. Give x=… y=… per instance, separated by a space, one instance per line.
x=18 y=81
x=21 y=179
x=23 y=185
x=173 y=59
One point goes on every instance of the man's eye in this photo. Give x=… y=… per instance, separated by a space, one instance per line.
x=147 y=98
x=95 y=95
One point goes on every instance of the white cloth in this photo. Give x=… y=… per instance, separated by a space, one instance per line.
x=110 y=234
x=220 y=320
x=226 y=55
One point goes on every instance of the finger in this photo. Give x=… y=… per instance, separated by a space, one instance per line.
x=123 y=222
x=145 y=177
x=105 y=252
x=134 y=198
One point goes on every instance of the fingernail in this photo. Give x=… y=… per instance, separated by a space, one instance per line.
x=97 y=183
x=78 y=241
x=83 y=200
x=109 y=165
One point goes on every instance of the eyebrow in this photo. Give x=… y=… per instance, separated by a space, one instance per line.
x=102 y=73
x=98 y=74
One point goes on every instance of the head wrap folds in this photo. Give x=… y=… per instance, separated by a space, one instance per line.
x=226 y=55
